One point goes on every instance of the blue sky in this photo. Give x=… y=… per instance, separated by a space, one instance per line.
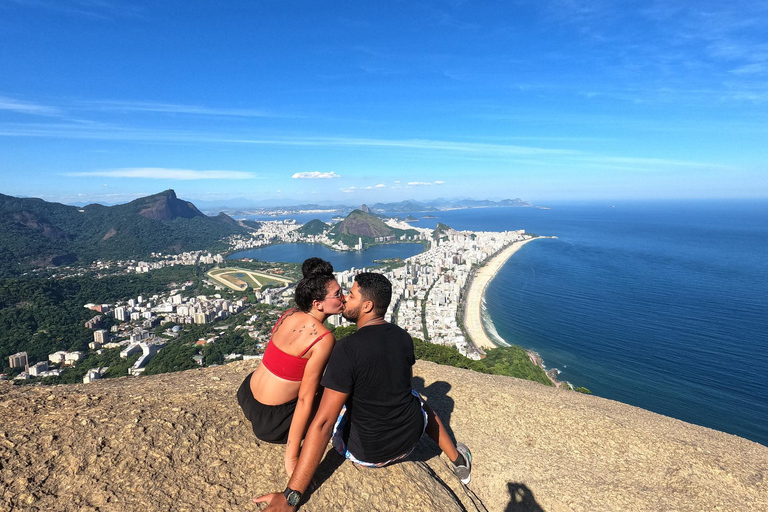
x=353 y=102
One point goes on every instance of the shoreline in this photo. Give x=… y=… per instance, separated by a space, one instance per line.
x=473 y=315
x=473 y=318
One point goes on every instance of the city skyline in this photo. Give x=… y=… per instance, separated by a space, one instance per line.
x=296 y=103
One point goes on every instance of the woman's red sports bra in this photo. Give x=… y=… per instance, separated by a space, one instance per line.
x=282 y=364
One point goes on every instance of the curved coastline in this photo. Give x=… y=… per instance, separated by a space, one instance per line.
x=473 y=317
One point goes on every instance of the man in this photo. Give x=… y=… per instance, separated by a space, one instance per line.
x=369 y=407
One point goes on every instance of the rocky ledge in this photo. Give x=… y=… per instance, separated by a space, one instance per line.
x=178 y=442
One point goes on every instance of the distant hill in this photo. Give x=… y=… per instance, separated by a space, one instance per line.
x=313 y=227
x=443 y=204
x=440 y=230
x=359 y=223
x=38 y=233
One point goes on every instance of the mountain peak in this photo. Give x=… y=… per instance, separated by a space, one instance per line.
x=165 y=206
x=359 y=223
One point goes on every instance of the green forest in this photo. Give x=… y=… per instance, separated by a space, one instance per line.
x=41 y=316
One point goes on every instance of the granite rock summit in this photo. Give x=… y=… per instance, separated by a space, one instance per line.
x=179 y=442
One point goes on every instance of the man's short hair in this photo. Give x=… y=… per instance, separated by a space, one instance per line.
x=376 y=288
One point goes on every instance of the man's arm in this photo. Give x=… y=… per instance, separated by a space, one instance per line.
x=318 y=435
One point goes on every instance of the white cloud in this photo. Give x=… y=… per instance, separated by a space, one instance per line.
x=314 y=175
x=348 y=190
x=425 y=183
x=24 y=107
x=167 y=174
x=380 y=185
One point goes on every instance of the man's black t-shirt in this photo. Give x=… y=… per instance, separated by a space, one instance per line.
x=373 y=366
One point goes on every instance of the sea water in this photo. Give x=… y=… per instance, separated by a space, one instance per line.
x=661 y=305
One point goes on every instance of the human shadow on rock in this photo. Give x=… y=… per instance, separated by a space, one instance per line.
x=330 y=463
x=436 y=395
x=521 y=499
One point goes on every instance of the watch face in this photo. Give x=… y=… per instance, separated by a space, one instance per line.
x=292 y=497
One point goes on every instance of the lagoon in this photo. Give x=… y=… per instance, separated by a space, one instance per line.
x=297 y=253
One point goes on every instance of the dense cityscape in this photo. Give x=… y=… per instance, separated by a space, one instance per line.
x=427 y=297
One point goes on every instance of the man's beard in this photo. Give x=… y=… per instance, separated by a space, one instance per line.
x=351 y=314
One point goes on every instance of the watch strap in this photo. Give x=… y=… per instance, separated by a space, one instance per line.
x=292 y=497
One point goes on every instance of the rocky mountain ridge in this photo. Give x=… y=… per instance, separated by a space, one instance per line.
x=179 y=442
x=39 y=233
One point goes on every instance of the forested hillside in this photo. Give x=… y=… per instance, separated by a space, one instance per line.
x=37 y=233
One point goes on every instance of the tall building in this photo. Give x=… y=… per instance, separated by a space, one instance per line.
x=18 y=360
x=101 y=336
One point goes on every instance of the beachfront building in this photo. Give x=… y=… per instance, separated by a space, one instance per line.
x=430 y=286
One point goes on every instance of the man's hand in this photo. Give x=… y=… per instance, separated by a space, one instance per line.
x=276 y=502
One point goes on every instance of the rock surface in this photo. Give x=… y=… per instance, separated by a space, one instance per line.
x=179 y=442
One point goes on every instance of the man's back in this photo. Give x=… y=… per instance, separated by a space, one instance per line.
x=374 y=367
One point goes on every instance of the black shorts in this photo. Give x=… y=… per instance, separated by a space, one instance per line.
x=271 y=423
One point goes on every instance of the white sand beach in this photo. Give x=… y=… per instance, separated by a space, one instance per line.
x=473 y=320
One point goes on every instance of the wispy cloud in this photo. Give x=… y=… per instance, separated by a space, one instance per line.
x=424 y=183
x=173 y=108
x=25 y=107
x=369 y=187
x=161 y=173
x=473 y=150
x=115 y=132
x=751 y=69
x=94 y=9
x=315 y=175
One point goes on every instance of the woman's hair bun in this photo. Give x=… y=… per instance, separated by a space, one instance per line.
x=315 y=267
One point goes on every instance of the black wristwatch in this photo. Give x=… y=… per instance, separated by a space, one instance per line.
x=292 y=497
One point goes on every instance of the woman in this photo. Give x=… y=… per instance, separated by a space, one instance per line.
x=278 y=397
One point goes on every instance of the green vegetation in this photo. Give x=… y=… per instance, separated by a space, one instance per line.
x=359 y=225
x=178 y=354
x=509 y=361
x=313 y=227
x=118 y=367
x=38 y=233
x=252 y=224
x=514 y=361
x=42 y=316
x=440 y=230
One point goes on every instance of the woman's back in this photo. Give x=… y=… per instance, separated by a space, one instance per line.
x=275 y=381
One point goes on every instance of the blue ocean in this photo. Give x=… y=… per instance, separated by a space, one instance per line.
x=661 y=305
